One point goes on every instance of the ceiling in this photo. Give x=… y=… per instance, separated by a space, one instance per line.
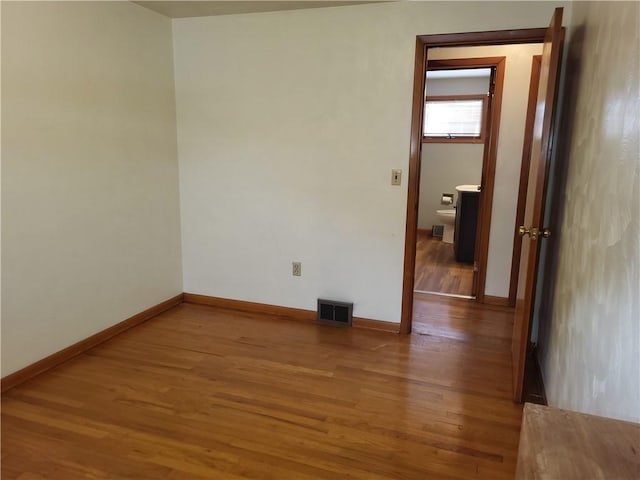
x=186 y=8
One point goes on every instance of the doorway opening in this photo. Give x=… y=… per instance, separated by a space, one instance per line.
x=444 y=46
x=458 y=156
x=540 y=155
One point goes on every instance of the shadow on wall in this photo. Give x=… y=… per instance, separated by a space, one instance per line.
x=549 y=256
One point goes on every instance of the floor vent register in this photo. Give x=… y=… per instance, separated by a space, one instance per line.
x=335 y=313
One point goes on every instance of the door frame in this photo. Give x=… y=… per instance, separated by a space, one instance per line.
x=489 y=155
x=423 y=43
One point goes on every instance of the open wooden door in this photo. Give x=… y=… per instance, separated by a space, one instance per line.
x=532 y=230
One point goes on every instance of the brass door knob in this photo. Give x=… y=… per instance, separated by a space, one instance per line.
x=534 y=232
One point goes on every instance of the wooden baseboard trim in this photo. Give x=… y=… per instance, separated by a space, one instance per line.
x=369 y=324
x=426 y=231
x=498 y=301
x=82 y=346
x=251 y=307
x=283 y=312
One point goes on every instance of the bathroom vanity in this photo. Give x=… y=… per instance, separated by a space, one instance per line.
x=464 y=238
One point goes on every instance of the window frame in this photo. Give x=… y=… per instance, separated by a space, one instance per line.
x=483 y=125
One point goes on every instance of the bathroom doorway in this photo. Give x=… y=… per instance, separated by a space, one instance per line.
x=469 y=88
x=457 y=128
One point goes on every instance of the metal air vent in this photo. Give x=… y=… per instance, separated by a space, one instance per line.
x=335 y=313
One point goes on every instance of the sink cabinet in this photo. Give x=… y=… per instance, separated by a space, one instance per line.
x=464 y=237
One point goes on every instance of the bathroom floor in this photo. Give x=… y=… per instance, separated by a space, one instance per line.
x=437 y=270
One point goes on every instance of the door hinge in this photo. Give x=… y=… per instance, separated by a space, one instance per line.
x=475 y=266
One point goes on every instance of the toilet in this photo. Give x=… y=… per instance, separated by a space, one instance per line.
x=448 y=219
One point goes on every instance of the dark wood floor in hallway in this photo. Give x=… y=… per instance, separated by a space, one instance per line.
x=204 y=393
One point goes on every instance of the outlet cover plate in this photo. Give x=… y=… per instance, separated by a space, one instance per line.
x=296 y=269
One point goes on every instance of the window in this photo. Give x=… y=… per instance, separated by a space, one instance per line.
x=458 y=118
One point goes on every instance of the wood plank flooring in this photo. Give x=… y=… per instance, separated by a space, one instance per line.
x=205 y=393
x=437 y=269
x=463 y=320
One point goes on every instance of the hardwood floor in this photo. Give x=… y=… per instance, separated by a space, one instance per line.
x=205 y=393
x=437 y=269
x=487 y=326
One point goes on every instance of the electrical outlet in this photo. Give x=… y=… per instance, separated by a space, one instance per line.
x=297 y=269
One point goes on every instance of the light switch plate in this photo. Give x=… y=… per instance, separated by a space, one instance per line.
x=396 y=176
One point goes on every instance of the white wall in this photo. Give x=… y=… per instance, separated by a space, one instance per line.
x=289 y=124
x=90 y=215
x=590 y=352
x=446 y=165
x=509 y=155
